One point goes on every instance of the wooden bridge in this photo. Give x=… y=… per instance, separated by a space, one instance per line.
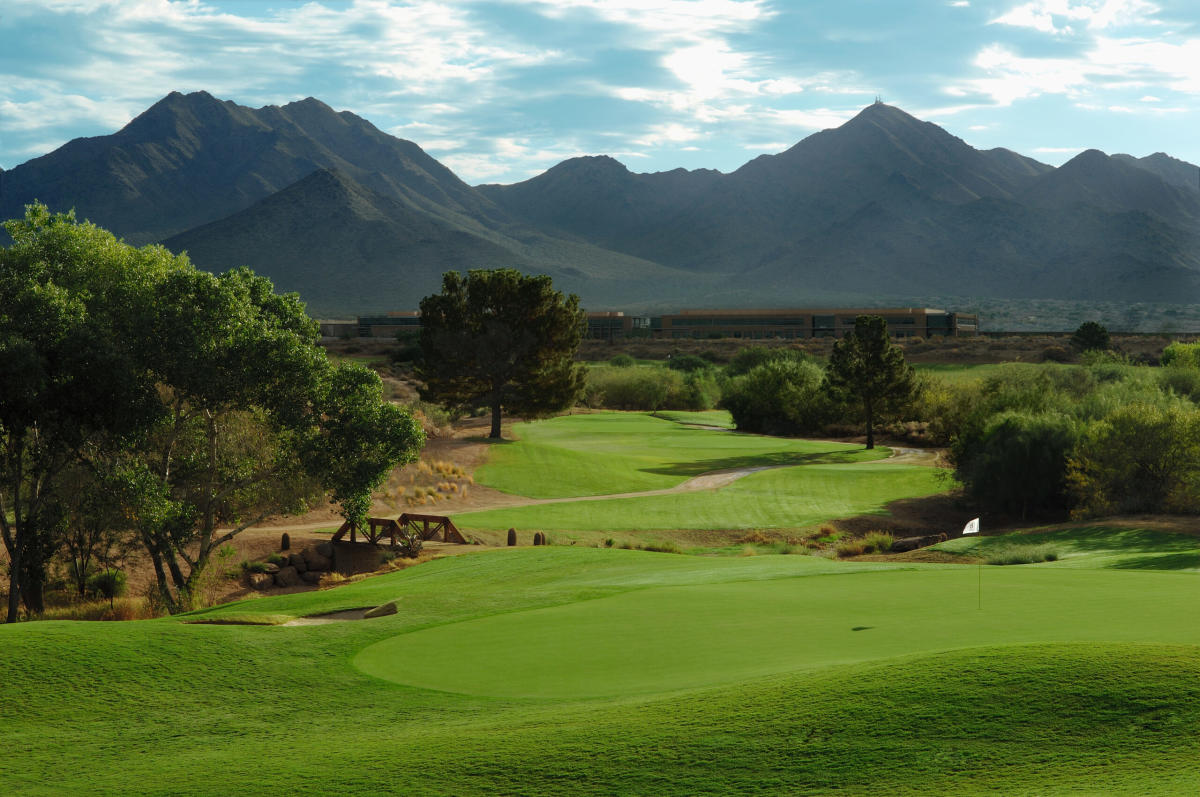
x=427 y=527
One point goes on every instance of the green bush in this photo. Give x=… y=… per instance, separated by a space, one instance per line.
x=688 y=363
x=751 y=357
x=780 y=397
x=1182 y=355
x=1017 y=461
x=1022 y=555
x=108 y=584
x=878 y=541
x=650 y=389
x=622 y=361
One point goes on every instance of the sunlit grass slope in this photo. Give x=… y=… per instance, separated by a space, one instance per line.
x=618 y=452
x=783 y=498
x=859 y=678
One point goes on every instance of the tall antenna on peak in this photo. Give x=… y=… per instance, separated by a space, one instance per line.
x=878 y=100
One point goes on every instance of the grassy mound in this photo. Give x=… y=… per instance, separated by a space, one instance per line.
x=929 y=695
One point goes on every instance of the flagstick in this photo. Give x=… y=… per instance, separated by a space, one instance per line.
x=972 y=527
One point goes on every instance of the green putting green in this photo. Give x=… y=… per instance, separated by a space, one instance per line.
x=687 y=637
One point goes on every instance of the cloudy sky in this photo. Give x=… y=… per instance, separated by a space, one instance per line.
x=500 y=90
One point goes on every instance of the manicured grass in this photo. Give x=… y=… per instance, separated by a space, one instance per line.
x=697 y=636
x=1098 y=546
x=784 y=498
x=846 y=677
x=619 y=452
x=720 y=418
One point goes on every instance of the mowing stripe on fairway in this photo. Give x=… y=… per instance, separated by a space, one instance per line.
x=664 y=639
x=782 y=498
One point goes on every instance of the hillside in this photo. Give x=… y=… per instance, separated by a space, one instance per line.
x=884 y=206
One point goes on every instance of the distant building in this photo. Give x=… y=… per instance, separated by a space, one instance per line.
x=903 y=322
x=386 y=326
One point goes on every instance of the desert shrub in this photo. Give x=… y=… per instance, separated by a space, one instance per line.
x=1090 y=336
x=1057 y=354
x=848 y=548
x=1182 y=355
x=622 y=361
x=945 y=407
x=409 y=544
x=699 y=391
x=666 y=546
x=878 y=541
x=1022 y=555
x=630 y=388
x=276 y=559
x=779 y=397
x=253 y=567
x=1182 y=381
x=1140 y=458
x=751 y=357
x=754 y=537
x=108 y=584
x=688 y=363
x=1017 y=462
x=650 y=389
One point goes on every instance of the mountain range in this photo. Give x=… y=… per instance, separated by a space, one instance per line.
x=884 y=206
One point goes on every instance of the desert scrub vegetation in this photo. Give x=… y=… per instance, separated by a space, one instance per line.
x=653 y=388
x=1022 y=555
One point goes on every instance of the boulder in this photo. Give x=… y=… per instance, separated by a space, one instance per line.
x=381 y=611
x=287 y=577
x=297 y=561
x=311 y=577
x=315 y=560
x=270 y=567
x=261 y=580
x=912 y=543
x=325 y=549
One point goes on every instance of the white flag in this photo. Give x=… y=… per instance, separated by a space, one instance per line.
x=972 y=527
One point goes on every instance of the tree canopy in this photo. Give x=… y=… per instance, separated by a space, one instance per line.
x=200 y=404
x=867 y=369
x=503 y=340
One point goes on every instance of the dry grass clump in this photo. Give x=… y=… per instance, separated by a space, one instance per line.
x=755 y=537
x=129 y=608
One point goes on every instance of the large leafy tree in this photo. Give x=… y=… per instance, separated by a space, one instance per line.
x=205 y=400
x=74 y=303
x=503 y=340
x=869 y=371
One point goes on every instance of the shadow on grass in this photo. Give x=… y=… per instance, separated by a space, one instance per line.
x=1174 y=561
x=765 y=460
x=491 y=441
x=1114 y=538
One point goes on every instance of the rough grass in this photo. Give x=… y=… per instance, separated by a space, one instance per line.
x=1067 y=681
x=785 y=498
x=617 y=452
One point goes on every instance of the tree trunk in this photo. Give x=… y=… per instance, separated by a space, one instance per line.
x=495 y=435
x=14 y=585
x=870 y=426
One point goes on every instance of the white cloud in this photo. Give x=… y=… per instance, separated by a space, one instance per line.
x=1057 y=16
x=1108 y=65
x=960 y=4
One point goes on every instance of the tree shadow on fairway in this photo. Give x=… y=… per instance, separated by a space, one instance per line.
x=1173 y=561
x=773 y=459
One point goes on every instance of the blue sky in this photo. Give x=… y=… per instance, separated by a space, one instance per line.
x=500 y=90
